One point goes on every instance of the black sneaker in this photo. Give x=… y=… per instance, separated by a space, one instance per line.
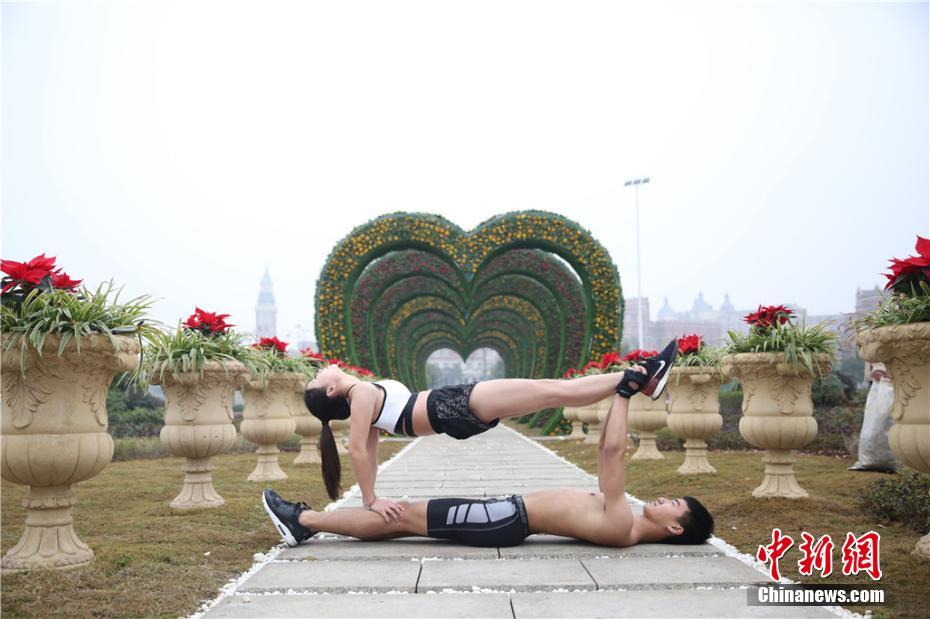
x=657 y=369
x=652 y=382
x=285 y=516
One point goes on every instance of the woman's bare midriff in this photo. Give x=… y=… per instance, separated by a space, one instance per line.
x=421 y=424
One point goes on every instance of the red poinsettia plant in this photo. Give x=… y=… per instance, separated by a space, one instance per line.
x=358 y=371
x=38 y=299
x=314 y=359
x=909 y=283
x=319 y=361
x=40 y=273
x=273 y=344
x=637 y=356
x=693 y=352
x=771 y=330
x=767 y=316
x=689 y=344
x=910 y=275
x=309 y=353
x=207 y=323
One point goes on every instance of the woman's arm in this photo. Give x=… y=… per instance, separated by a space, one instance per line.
x=363 y=452
x=373 y=450
x=363 y=465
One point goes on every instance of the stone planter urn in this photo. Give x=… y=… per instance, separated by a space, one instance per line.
x=307 y=426
x=571 y=414
x=198 y=426
x=646 y=417
x=590 y=415
x=905 y=351
x=694 y=413
x=54 y=434
x=267 y=419
x=777 y=414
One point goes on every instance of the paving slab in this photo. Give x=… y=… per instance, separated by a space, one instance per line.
x=350 y=549
x=421 y=493
x=335 y=576
x=386 y=606
x=504 y=575
x=670 y=572
x=546 y=546
x=619 y=604
x=500 y=476
x=389 y=482
x=497 y=490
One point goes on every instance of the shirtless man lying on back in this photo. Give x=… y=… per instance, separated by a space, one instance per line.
x=603 y=518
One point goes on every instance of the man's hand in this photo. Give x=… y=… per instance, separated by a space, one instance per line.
x=388 y=509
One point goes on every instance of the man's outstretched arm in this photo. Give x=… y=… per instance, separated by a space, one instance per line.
x=611 y=471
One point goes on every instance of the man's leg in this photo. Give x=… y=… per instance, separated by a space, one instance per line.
x=368 y=525
x=509 y=397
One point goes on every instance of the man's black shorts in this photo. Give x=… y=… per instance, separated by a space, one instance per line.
x=478 y=522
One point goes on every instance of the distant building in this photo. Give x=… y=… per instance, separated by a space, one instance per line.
x=712 y=324
x=868 y=300
x=266 y=312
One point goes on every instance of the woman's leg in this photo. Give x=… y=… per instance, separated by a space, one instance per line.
x=509 y=397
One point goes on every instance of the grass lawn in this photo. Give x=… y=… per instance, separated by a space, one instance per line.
x=151 y=560
x=747 y=522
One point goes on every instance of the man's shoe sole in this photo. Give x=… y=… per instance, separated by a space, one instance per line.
x=657 y=385
x=289 y=539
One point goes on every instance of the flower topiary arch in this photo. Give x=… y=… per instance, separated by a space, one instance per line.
x=532 y=285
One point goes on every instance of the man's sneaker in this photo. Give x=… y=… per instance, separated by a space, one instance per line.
x=286 y=517
x=652 y=381
x=657 y=369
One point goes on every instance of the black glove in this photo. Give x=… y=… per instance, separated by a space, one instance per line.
x=631 y=376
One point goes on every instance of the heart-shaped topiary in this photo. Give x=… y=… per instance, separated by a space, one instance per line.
x=532 y=285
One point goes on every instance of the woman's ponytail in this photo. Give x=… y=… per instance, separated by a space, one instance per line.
x=326 y=409
x=332 y=466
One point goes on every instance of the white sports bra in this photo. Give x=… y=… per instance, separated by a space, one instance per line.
x=396 y=396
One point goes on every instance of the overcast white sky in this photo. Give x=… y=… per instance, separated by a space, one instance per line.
x=180 y=148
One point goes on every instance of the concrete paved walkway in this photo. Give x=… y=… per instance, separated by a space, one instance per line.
x=547 y=576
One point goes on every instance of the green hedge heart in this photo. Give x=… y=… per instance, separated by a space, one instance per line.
x=532 y=285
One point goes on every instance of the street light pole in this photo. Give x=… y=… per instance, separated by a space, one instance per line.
x=636 y=182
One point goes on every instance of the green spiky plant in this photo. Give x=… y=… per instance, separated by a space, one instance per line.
x=898 y=309
x=39 y=300
x=203 y=337
x=772 y=330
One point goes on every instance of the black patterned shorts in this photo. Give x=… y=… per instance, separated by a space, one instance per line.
x=448 y=412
